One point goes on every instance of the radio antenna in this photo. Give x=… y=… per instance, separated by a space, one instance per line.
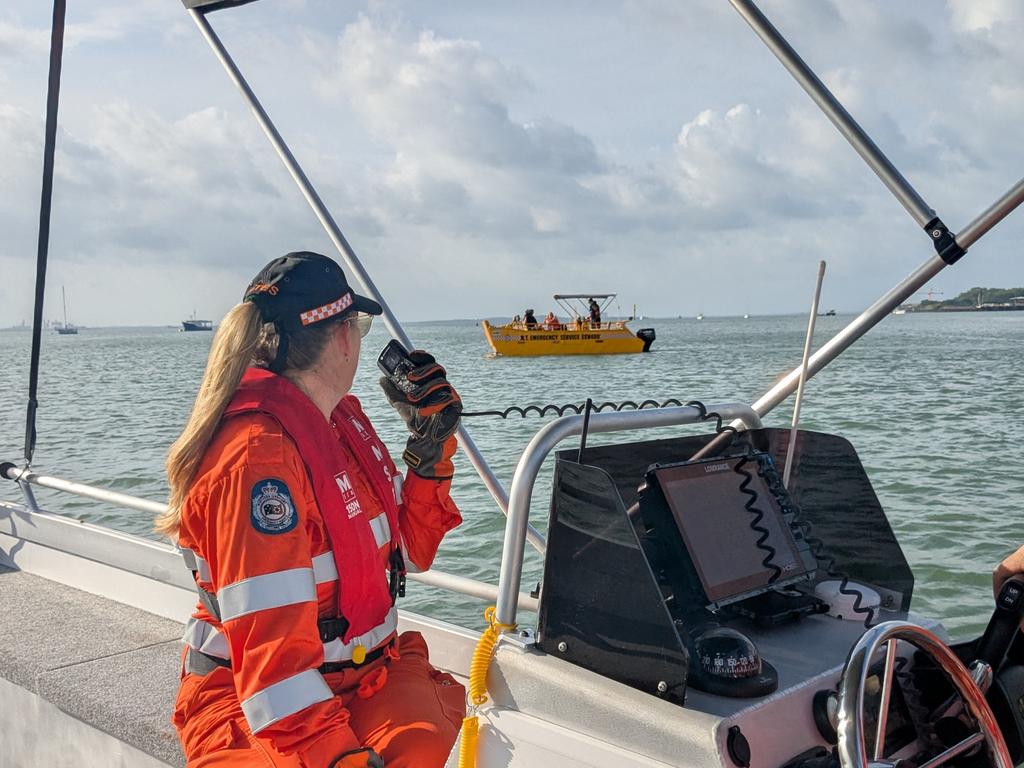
x=791 y=448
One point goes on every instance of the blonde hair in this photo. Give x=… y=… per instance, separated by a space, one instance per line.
x=242 y=340
x=232 y=352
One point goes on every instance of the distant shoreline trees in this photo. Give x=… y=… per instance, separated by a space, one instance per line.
x=974 y=298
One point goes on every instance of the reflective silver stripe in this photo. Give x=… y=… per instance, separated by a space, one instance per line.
x=271 y=590
x=206 y=638
x=381 y=529
x=396 y=481
x=410 y=564
x=285 y=698
x=195 y=563
x=324 y=568
x=339 y=651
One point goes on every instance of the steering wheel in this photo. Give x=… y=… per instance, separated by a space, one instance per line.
x=854 y=752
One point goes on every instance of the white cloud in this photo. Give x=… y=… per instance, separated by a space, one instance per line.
x=16 y=40
x=140 y=183
x=104 y=25
x=973 y=16
x=442 y=149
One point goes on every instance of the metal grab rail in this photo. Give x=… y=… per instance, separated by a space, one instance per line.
x=11 y=472
x=447 y=581
x=541 y=446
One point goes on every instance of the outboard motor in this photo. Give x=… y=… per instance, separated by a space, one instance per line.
x=646 y=335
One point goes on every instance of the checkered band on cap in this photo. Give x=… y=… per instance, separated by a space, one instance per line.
x=327 y=310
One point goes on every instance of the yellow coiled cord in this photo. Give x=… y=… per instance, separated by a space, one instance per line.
x=482 y=655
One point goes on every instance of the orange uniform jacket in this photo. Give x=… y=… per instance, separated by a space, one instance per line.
x=264 y=581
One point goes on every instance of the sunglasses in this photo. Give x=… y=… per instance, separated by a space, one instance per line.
x=363 y=323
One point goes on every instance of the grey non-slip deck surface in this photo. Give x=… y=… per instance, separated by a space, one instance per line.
x=106 y=664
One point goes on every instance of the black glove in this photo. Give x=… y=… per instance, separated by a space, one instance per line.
x=431 y=409
x=358 y=758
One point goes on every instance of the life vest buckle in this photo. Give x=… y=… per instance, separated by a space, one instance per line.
x=332 y=629
x=396 y=579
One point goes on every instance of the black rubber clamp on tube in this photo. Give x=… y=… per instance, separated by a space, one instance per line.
x=944 y=241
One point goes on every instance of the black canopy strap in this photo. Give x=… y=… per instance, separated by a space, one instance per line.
x=52 y=100
x=204 y=6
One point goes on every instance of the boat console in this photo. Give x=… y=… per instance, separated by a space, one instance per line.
x=712 y=586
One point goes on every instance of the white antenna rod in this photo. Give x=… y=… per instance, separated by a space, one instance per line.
x=803 y=375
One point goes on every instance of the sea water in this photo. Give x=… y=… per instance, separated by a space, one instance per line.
x=932 y=403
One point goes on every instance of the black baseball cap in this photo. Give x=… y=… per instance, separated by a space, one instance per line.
x=303 y=288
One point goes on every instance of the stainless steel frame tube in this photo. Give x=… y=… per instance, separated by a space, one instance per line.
x=344 y=249
x=471 y=587
x=991 y=216
x=891 y=177
x=864 y=322
x=537 y=451
x=835 y=112
x=87 y=491
x=874 y=314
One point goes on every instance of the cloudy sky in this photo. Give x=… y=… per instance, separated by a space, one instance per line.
x=481 y=158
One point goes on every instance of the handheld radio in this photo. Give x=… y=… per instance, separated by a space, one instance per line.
x=396 y=364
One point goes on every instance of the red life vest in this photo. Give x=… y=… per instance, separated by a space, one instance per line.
x=364 y=597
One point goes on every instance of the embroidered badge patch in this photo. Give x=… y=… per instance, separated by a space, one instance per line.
x=272 y=508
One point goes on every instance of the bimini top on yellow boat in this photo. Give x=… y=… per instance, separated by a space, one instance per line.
x=583 y=333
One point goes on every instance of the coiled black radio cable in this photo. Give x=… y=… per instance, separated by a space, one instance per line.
x=756 y=514
x=816 y=545
x=561 y=410
x=818 y=550
x=828 y=564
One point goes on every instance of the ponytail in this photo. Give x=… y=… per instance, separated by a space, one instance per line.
x=233 y=351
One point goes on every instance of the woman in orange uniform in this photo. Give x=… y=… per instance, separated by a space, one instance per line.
x=298 y=529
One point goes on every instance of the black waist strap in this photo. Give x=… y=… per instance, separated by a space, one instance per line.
x=341 y=666
x=202 y=664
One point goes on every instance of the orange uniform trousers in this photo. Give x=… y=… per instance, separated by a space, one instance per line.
x=400 y=706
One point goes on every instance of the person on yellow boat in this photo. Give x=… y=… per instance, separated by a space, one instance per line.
x=551 y=322
x=298 y=530
x=595 y=312
x=529 y=319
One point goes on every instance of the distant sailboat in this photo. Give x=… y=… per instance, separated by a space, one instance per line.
x=67 y=329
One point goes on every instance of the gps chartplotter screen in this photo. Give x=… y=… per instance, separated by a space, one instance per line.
x=709 y=510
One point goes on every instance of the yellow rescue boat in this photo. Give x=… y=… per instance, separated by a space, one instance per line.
x=585 y=333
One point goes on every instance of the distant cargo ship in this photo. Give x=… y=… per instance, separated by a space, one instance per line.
x=192 y=324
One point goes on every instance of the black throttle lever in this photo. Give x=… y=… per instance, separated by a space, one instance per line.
x=1003 y=625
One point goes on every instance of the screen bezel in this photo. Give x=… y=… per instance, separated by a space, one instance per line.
x=740 y=588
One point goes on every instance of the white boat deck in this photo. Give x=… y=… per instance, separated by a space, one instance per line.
x=77 y=669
